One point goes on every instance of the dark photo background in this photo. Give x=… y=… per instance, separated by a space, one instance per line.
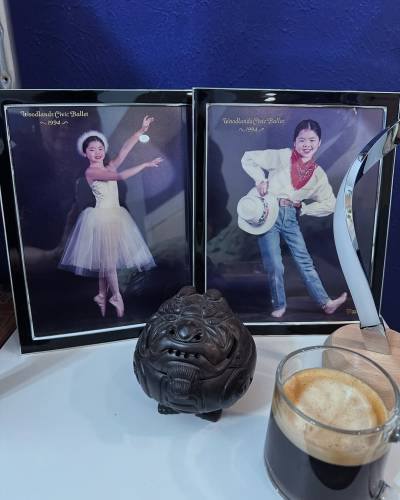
x=51 y=192
x=233 y=258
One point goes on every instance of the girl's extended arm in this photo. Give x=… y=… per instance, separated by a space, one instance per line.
x=99 y=174
x=254 y=163
x=129 y=143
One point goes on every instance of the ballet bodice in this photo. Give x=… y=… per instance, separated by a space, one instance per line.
x=106 y=194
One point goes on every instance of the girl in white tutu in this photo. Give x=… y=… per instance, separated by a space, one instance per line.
x=106 y=238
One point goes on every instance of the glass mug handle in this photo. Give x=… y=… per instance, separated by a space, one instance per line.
x=395 y=435
x=388 y=492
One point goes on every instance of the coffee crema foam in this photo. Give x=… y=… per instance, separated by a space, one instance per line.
x=339 y=400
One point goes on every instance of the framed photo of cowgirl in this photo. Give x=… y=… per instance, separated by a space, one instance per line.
x=96 y=190
x=268 y=167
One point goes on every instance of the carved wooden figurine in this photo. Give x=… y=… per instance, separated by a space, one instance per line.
x=195 y=355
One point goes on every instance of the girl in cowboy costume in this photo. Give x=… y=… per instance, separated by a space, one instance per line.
x=293 y=176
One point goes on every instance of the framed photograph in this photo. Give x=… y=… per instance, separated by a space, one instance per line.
x=268 y=167
x=96 y=191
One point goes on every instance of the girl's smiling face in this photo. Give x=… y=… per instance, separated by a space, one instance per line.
x=95 y=152
x=307 y=143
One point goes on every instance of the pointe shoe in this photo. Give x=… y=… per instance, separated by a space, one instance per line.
x=118 y=303
x=278 y=313
x=331 y=306
x=101 y=301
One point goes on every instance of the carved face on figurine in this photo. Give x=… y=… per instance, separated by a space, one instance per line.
x=195 y=355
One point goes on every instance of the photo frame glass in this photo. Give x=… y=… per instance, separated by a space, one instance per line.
x=272 y=254
x=101 y=200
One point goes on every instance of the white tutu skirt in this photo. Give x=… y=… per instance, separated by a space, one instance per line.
x=104 y=240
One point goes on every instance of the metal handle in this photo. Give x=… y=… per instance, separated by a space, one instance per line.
x=8 y=64
x=5 y=77
x=372 y=325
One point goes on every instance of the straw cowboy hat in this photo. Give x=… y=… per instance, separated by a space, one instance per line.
x=257 y=214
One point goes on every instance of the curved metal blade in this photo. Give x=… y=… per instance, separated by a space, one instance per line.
x=371 y=323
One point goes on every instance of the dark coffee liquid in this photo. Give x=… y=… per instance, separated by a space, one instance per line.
x=300 y=476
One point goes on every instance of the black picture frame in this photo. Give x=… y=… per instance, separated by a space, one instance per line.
x=32 y=337
x=208 y=100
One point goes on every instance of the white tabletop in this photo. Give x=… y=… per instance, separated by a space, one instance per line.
x=75 y=425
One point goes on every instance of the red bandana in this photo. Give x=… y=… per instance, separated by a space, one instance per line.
x=301 y=172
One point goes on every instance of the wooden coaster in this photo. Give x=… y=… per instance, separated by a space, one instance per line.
x=351 y=337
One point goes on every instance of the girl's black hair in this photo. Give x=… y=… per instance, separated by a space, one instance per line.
x=307 y=124
x=90 y=139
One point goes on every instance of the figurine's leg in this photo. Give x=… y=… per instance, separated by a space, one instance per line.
x=166 y=410
x=212 y=416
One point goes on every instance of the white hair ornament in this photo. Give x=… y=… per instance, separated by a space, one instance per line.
x=86 y=135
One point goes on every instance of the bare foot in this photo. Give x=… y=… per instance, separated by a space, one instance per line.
x=278 y=313
x=331 y=306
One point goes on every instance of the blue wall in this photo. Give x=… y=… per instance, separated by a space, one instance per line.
x=302 y=44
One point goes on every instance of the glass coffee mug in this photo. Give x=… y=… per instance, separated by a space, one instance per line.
x=334 y=415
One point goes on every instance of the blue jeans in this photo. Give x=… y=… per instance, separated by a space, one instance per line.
x=269 y=243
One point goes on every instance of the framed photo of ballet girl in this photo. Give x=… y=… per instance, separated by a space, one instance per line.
x=268 y=167
x=96 y=190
